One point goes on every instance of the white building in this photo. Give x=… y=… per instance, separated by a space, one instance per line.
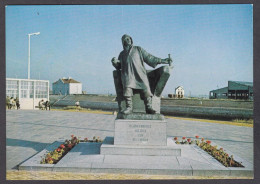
x=29 y=91
x=67 y=86
x=179 y=92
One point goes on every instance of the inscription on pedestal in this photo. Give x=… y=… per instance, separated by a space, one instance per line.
x=140 y=132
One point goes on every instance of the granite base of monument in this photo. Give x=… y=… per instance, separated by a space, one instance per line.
x=140 y=137
x=140 y=132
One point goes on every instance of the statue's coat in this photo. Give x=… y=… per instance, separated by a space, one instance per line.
x=133 y=72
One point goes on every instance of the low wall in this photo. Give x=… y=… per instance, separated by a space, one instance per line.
x=184 y=111
x=208 y=112
x=209 y=103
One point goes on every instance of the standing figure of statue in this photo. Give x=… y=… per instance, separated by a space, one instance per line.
x=133 y=73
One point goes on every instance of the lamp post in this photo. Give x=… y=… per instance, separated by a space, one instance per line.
x=29 y=35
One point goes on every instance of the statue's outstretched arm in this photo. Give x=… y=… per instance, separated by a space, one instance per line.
x=154 y=61
x=149 y=58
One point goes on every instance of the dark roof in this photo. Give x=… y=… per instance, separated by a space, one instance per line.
x=69 y=81
x=178 y=87
x=235 y=85
x=244 y=83
x=56 y=82
x=66 y=81
x=221 y=90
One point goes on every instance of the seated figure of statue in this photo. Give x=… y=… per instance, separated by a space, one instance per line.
x=132 y=80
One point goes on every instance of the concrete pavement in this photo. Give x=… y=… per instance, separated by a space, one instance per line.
x=28 y=132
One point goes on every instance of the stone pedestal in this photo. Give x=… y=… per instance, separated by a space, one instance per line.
x=140 y=132
x=140 y=137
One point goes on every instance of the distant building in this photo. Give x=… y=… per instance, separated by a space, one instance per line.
x=66 y=86
x=29 y=91
x=179 y=92
x=235 y=90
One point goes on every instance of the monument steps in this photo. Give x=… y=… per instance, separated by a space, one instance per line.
x=108 y=148
x=87 y=157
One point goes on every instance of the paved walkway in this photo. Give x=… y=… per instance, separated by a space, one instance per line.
x=28 y=132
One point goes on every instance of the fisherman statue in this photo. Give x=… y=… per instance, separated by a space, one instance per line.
x=131 y=76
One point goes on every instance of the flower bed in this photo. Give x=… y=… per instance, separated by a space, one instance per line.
x=218 y=154
x=56 y=155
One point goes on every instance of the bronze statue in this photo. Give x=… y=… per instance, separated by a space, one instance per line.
x=130 y=66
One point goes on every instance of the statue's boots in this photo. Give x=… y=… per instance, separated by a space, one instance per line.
x=119 y=107
x=148 y=106
x=119 y=102
x=129 y=105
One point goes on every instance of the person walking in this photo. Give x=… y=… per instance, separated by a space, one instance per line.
x=8 y=102
x=17 y=103
x=12 y=103
x=77 y=105
x=47 y=105
x=41 y=103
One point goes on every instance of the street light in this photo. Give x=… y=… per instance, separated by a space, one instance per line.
x=29 y=52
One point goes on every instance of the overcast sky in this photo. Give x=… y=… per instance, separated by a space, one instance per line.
x=210 y=44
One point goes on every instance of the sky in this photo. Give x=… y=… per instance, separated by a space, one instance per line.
x=209 y=44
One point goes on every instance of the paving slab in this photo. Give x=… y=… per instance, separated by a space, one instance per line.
x=136 y=168
x=82 y=153
x=189 y=153
x=33 y=163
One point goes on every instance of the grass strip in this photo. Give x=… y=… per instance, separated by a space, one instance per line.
x=244 y=123
x=46 y=175
x=214 y=121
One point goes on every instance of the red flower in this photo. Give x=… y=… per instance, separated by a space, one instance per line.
x=183 y=138
x=72 y=135
x=58 y=149
x=62 y=146
x=70 y=146
x=49 y=158
x=189 y=139
x=208 y=142
x=197 y=136
x=175 y=138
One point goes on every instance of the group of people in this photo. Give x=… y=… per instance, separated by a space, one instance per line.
x=12 y=103
x=44 y=105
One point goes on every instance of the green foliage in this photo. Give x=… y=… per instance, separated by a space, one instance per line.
x=72 y=108
x=247 y=121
